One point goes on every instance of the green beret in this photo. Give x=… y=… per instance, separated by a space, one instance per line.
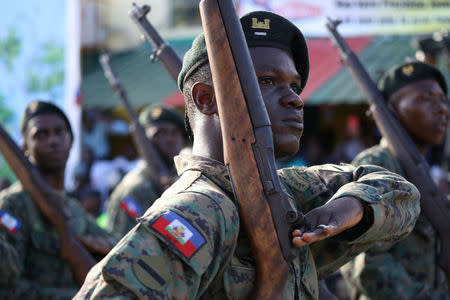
x=37 y=108
x=408 y=73
x=261 y=29
x=154 y=113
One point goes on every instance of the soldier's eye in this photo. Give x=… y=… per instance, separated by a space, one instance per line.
x=295 y=88
x=266 y=81
x=39 y=135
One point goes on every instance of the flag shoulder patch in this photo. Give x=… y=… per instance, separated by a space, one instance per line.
x=9 y=222
x=179 y=232
x=130 y=206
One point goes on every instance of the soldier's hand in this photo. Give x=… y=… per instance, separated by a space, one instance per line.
x=95 y=244
x=329 y=220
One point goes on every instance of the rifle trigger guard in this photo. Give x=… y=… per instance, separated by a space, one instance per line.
x=291 y=216
x=300 y=224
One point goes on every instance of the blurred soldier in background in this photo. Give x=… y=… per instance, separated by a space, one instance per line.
x=428 y=49
x=136 y=192
x=47 y=254
x=416 y=94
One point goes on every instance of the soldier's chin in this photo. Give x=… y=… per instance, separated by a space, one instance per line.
x=286 y=146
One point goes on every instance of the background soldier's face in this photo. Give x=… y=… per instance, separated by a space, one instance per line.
x=422 y=107
x=167 y=138
x=280 y=86
x=47 y=141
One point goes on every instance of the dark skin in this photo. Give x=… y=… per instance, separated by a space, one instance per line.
x=47 y=143
x=279 y=82
x=167 y=138
x=422 y=108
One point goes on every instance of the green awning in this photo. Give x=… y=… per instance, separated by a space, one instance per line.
x=144 y=82
x=380 y=55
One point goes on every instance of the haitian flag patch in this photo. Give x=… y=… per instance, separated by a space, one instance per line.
x=9 y=222
x=179 y=232
x=131 y=207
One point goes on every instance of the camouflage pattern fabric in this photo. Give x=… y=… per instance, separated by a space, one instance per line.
x=9 y=271
x=188 y=245
x=405 y=270
x=129 y=200
x=38 y=270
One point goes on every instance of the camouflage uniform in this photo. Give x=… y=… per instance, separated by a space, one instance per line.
x=9 y=272
x=39 y=272
x=130 y=199
x=405 y=270
x=188 y=245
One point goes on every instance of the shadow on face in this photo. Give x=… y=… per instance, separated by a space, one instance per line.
x=280 y=84
x=422 y=108
x=47 y=141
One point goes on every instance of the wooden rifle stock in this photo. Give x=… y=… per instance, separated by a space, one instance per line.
x=26 y=173
x=162 y=51
x=417 y=171
x=266 y=213
x=145 y=147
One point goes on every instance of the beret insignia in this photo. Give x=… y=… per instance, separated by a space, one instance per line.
x=260 y=24
x=408 y=70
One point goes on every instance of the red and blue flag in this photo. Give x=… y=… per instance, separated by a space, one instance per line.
x=131 y=207
x=9 y=222
x=179 y=232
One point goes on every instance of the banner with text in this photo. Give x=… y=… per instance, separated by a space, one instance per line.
x=359 y=17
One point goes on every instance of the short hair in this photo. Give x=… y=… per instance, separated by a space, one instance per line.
x=38 y=108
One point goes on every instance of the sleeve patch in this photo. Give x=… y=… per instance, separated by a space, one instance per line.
x=179 y=233
x=131 y=207
x=9 y=221
x=152 y=271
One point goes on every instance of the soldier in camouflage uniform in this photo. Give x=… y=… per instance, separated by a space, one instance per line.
x=47 y=256
x=189 y=244
x=136 y=192
x=416 y=93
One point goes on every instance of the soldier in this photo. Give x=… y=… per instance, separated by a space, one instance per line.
x=189 y=245
x=416 y=95
x=51 y=253
x=428 y=49
x=136 y=192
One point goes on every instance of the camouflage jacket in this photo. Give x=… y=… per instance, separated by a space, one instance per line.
x=39 y=272
x=188 y=245
x=404 y=270
x=129 y=200
x=9 y=271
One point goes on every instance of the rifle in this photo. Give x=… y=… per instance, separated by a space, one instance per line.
x=400 y=143
x=162 y=51
x=267 y=213
x=145 y=147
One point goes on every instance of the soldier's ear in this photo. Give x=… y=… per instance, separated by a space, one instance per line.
x=24 y=148
x=204 y=98
x=392 y=104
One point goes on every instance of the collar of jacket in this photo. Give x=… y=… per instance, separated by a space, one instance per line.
x=213 y=169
